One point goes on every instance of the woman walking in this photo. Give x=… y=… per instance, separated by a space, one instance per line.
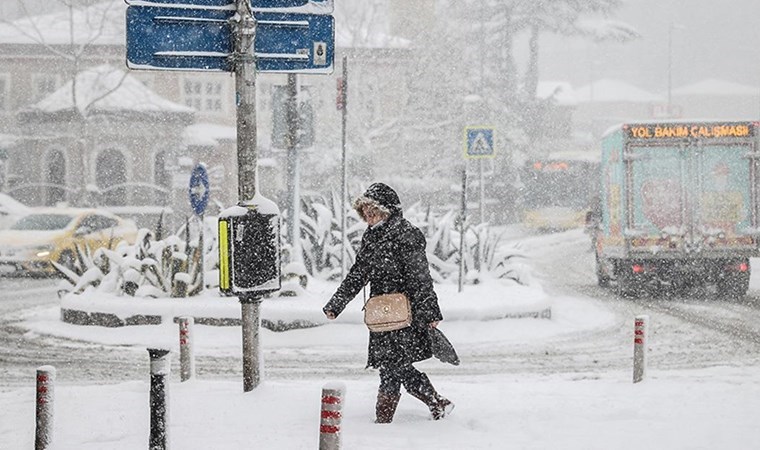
x=392 y=259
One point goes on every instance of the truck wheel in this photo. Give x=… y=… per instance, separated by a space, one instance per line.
x=603 y=280
x=626 y=286
x=733 y=287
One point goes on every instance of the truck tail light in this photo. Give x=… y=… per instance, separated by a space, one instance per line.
x=740 y=267
x=638 y=268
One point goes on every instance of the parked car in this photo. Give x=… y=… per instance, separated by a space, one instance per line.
x=53 y=234
x=11 y=210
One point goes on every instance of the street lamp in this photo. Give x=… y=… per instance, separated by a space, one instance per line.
x=671 y=26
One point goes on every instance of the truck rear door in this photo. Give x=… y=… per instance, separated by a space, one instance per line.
x=657 y=191
x=723 y=184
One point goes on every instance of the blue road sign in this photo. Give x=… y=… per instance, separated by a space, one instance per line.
x=282 y=6
x=168 y=38
x=302 y=43
x=179 y=39
x=478 y=142
x=199 y=189
x=209 y=4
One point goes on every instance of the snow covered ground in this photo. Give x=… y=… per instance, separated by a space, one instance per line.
x=715 y=406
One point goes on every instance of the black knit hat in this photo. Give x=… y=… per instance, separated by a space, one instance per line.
x=382 y=196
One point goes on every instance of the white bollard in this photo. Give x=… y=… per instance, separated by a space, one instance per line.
x=186 y=356
x=43 y=436
x=330 y=416
x=640 y=348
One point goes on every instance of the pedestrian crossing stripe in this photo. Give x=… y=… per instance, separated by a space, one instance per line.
x=479 y=142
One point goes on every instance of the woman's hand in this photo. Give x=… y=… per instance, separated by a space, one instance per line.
x=433 y=324
x=330 y=315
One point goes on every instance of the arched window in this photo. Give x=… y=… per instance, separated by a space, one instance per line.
x=55 y=177
x=160 y=177
x=110 y=175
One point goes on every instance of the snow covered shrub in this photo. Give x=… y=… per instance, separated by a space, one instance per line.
x=484 y=250
x=150 y=268
x=321 y=236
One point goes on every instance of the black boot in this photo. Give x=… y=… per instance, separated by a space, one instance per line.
x=424 y=391
x=385 y=408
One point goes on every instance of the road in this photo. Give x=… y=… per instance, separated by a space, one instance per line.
x=688 y=332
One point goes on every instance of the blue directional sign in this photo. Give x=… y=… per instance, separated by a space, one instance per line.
x=281 y=6
x=174 y=38
x=478 y=142
x=303 y=43
x=294 y=6
x=199 y=189
x=212 y=4
x=181 y=39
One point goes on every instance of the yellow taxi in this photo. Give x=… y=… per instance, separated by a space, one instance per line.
x=53 y=234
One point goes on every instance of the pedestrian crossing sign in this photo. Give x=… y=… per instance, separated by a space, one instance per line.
x=478 y=142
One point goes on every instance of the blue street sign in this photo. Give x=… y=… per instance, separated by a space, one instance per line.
x=199 y=189
x=178 y=39
x=168 y=38
x=282 y=6
x=478 y=142
x=294 y=6
x=302 y=43
x=209 y=4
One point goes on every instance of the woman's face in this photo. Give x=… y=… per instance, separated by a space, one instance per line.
x=372 y=215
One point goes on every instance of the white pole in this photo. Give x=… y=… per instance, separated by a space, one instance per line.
x=186 y=356
x=331 y=415
x=344 y=170
x=461 y=228
x=640 y=348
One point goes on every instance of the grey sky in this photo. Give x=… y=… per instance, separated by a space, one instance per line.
x=712 y=39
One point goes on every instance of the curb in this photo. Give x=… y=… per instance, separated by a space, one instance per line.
x=109 y=320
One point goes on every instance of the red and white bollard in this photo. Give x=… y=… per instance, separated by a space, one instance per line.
x=186 y=357
x=43 y=436
x=640 y=348
x=330 y=416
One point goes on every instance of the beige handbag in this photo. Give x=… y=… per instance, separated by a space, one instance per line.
x=388 y=312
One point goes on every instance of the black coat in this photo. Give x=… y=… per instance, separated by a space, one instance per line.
x=392 y=259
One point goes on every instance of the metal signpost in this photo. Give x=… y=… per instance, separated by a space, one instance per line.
x=240 y=36
x=479 y=143
x=199 y=193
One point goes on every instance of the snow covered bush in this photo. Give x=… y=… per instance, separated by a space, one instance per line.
x=321 y=236
x=485 y=253
x=169 y=267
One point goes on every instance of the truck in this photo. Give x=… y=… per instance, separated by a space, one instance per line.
x=677 y=207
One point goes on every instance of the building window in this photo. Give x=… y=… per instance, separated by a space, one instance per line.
x=205 y=95
x=44 y=84
x=110 y=176
x=56 y=178
x=5 y=89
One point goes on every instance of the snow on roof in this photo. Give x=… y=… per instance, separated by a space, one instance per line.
x=102 y=23
x=208 y=134
x=560 y=91
x=601 y=29
x=712 y=86
x=105 y=88
x=607 y=90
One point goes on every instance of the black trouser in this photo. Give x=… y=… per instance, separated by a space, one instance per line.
x=392 y=377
